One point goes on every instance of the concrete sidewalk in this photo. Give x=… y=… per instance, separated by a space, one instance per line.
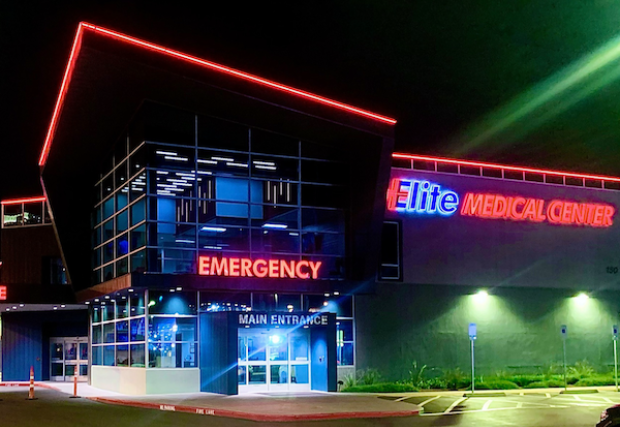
x=271 y=407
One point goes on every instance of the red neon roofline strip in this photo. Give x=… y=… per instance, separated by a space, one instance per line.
x=176 y=54
x=505 y=167
x=23 y=200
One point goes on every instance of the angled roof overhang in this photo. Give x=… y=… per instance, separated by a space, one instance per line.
x=109 y=75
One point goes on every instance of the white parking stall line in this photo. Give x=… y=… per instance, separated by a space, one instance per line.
x=548 y=395
x=520 y=405
x=486 y=405
x=608 y=400
x=428 y=400
x=576 y=397
x=437 y=414
x=454 y=404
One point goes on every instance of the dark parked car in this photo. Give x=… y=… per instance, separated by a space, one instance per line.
x=610 y=417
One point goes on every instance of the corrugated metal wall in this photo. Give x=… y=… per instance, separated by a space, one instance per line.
x=25 y=340
x=22 y=347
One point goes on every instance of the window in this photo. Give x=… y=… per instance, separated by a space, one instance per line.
x=391 y=243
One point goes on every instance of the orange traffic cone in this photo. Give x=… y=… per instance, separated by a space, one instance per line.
x=31 y=391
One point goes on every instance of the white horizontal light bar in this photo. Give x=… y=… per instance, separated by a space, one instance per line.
x=272 y=225
x=223 y=159
x=178 y=159
x=185 y=241
x=215 y=229
x=260 y=162
x=213 y=247
x=209 y=162
x=239 y=165
x=166 y=153
x=205 y=173
x=163 y=172
x=271 y=168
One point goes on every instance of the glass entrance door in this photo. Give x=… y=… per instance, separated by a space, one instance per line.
x=68 y=359
x=273 y=360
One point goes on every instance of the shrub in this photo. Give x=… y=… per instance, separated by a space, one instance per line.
x=416 y=375
x=580 y=370
x=381 y=388
x=523 y=380
x=368 y=376
x=546 y=384
x=455 y=379
x=348 y=381
x=434 y=383
x=597 y=380
x=496 y=384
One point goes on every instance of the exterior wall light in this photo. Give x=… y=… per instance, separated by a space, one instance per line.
x=481 y=296
x=582 y=298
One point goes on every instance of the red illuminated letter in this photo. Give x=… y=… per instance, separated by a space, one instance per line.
x=233 y=263
x=260 y=268
x=219 y=267
x=246 y=267
x=299 y=272
x=3 y=293
x=314 y=266
x=472 y=205
x=203 y=265
x=273 y=268
x=554 y=211
x=514 y=214
x=287 y=269
x=609 y=213
x=394 y=193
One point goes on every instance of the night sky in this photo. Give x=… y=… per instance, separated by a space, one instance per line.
x=533 y=83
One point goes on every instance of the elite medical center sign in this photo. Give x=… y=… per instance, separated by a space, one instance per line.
x=424 y=197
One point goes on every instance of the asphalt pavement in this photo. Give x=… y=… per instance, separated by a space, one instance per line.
x=56 y=409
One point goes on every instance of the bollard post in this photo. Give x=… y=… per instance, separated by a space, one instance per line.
x=31 y=390
x=75 y=395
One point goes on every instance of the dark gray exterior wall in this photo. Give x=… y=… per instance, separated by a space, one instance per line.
x=518 y=329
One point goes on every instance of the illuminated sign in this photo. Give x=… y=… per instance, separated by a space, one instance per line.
x=422 y=197
x=3 y=293
x=278 y=319
x=425 y=197
x=246 y=267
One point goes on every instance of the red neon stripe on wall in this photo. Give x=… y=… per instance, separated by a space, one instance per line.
x=498 y=166
x=176 y=54
x=24 y=200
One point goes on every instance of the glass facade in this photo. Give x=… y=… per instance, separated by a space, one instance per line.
x=25 y=214
x=159 y=329
x=196 y=185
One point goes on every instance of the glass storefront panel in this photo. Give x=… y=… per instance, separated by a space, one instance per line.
x=257 y=347
x=137 y=329
x=122 y=331
x=300 y=374
x=137 y=355
x=108 y=355
x=108 y=333
x=122 y=355
x=242 y=374
x=279 y=374
x=257 y=374
x=166 y=302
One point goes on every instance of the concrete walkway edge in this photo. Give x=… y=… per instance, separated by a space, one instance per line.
x=226 y=413
x=255 y=417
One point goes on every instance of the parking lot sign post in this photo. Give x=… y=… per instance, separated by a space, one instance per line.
x=563 y=332
x=472 y=338
x=614 y=332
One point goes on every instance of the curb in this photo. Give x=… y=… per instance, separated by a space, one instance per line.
x=27 y=384
x=254 y=417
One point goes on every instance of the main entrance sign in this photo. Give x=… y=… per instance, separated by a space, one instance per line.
x=425 y=197
x=246 y=267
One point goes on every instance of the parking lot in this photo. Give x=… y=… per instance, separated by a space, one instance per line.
x=440 y=405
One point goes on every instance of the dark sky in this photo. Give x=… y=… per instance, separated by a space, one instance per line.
x=523 y=82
